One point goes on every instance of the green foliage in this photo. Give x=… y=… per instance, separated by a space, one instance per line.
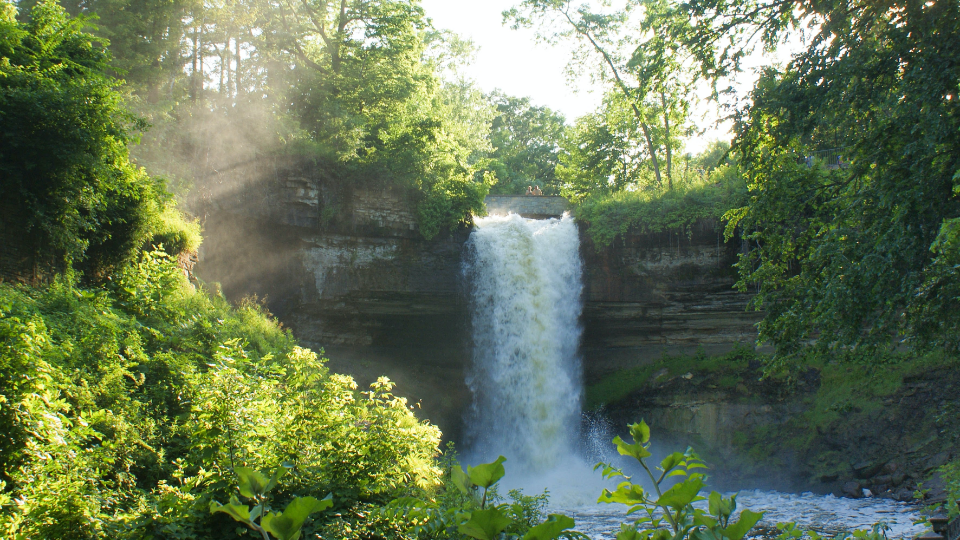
x=668 y=512
x=126 y=409
x=852 y=257
x=790 y=531
x=650 y=211
x=175 y=233
x=68 y=187
x=950 y=473
x=255 y=485
x=526 y=146
x=456 y=511
x=603 y=153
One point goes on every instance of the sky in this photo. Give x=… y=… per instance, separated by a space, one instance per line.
x=514 y=62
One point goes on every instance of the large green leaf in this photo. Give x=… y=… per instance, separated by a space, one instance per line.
x=682 y=494
x=626 y=493
x=485 y=524
x=722 y=507
x=287 y=526
x=637 y=450
x=671 y=461
x=551 y=528
x=628 y=532
x=461 y=480
x=702 y=519
x=252 y=483
x=640 y=432
x=237 y=511
x=713 y=503
x=748 y=518
x=487 y=474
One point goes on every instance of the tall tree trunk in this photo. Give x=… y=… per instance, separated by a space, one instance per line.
x=223 y=54
x=200 y=61
x=236 y=44
x=666 y=126
x=153 y=86
x=650 y=147
x=196 y=61
x=226 y=54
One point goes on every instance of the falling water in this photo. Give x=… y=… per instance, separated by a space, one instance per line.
x=525 y=288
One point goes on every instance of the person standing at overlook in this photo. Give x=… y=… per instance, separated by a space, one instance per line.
x=529 y=191
x=536 y=191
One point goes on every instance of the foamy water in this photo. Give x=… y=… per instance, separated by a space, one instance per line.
x=822 y=513
x=525 y=284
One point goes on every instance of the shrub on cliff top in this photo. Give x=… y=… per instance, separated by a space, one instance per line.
x=646 y=211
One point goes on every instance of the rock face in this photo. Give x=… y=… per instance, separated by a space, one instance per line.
x=811 y=432
x=347 y=270
x=647 y=295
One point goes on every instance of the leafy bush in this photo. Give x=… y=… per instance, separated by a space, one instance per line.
x=461 y=510
x=668 y=511
x=126 y=410
x=68 y=186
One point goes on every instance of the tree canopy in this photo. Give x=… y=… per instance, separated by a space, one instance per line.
x=68 y=185
x=856 y=254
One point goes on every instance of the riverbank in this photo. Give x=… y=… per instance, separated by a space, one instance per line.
x=883 y=429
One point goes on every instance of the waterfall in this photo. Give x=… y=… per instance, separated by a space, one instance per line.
x=525 y=283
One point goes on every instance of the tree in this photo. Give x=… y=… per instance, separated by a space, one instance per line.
x=603 y=152
x=67 y=186
x=640 y=64
x=852 y=257
x=526 y=145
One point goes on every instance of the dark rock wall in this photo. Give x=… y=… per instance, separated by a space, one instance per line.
x=348 y=272
x=766 y=434
x=647 y=295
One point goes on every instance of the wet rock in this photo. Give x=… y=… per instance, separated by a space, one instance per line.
x=867 y=469
x=852 y=490
x=935 y=490
x=883 y=479
x=935 y=461
x=903 y=495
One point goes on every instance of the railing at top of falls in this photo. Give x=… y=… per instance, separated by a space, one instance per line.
x=528 y=206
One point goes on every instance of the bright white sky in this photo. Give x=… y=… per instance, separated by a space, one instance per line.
x=511 y=60
x=514 y=62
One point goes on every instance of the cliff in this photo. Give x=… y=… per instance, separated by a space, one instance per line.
x=346 y=269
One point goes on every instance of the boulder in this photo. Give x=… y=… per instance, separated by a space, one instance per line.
x=852 y=490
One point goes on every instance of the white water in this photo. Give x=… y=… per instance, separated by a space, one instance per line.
x=525 y=288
